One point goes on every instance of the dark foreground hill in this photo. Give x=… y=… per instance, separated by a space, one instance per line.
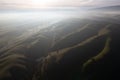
x=75 y=49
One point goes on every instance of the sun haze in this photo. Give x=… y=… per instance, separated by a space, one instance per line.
x=25 y=4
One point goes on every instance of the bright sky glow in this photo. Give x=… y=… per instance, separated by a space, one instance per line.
x=43 y=3
x=23 y=4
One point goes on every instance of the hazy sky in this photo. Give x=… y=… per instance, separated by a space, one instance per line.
x=22 y=4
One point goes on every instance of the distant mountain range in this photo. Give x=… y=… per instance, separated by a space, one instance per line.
x=109 y=8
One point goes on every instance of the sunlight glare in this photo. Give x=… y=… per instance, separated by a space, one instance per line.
x=43 y=3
